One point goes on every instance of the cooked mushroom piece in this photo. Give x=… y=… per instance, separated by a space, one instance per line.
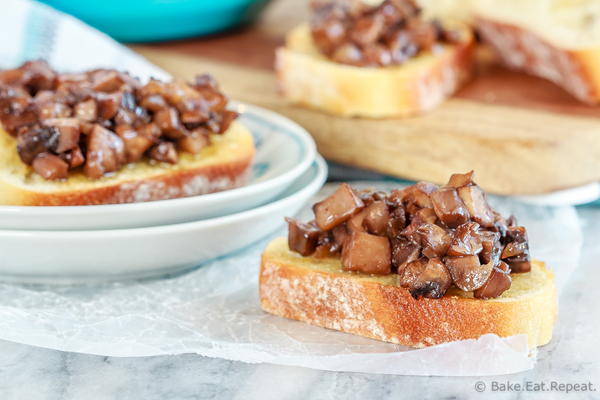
x=108 y=104
x=227 y=117
x=195 y=141
x=203 y=81
x=466 y=240
x=491 y=248
x=340 y=234
x=37 y=75
x=74 y=157
x=513 y=249
x=404 y=251
x=325 y=250
x=154 y=102
x=327 y=28
x=337 y=208
x=167 y=120
x=467 y=273
x=34 y=140
x=417 y=194
x=164 y=152
x=107 y=81
x=136 y=144
x=367 y=253
x=326 y=246
x=397 y=222
x=367 y=29
x=449 y=208
x=86 y=110
x=67 y=132
x=426 y=278
x=423 y=216
x=302 y=238
x=459 y=180
x=476 y=202
x=53 y=109
x=498 y=282
x=356 y=223
x=50 y=167
x=105 y=152
x=16 y=117
x=376 y=218
x=519 y=266
x=516 y=242
x=434 y=240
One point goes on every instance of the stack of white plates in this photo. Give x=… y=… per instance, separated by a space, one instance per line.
x=90 y=243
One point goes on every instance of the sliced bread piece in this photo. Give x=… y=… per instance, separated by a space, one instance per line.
x=319 y=292
x=308 y=78
x=555 y=40
x=221 y=165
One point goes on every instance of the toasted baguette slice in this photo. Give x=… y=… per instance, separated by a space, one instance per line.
x=558 y=41
x=319 y=292
x=307 y=78
x=222 y=165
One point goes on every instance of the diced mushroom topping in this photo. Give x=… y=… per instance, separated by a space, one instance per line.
x=302 y=238
x=105 y=152
x=423 y=233
x=50 y=167
x=387 y=33
x=35 y=140
x=449 y=208
x=67 y=131
x=467 y=240
x=498 y=283
x=404 y=251
x=337 y=208
x=434 y=240
x=426 y=278
x=164 y=152
x=467 y=272
x=367 y=253
x=516 y=250
x=477 y=205
x=58 y=115
x=376 y=218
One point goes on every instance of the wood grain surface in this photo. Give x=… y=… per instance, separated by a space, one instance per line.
x=521 y=134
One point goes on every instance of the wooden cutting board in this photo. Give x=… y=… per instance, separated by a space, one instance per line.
x=521 y=134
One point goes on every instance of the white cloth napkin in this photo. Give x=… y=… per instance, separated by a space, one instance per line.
x=31 y=30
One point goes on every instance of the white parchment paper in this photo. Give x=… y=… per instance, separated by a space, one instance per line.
x=214 y=311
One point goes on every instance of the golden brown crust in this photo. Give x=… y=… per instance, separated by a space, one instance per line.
x=202 y=180
x=376 y=308
x=573 y=70
x=306 y=77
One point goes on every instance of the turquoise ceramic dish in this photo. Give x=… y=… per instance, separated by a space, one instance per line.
x=156 y=20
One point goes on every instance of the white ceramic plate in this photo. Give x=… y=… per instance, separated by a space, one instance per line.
x=83 y=256
x=284 y=151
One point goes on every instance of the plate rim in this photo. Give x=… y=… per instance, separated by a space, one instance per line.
x=318 y=181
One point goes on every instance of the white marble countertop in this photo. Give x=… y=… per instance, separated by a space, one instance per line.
x=572 y=357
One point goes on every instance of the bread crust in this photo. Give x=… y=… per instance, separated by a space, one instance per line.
x=205 y=173
x=307 y=78
x=320 y=293
x=575 y=70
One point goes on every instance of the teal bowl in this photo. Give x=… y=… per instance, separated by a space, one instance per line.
x=158 y=20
